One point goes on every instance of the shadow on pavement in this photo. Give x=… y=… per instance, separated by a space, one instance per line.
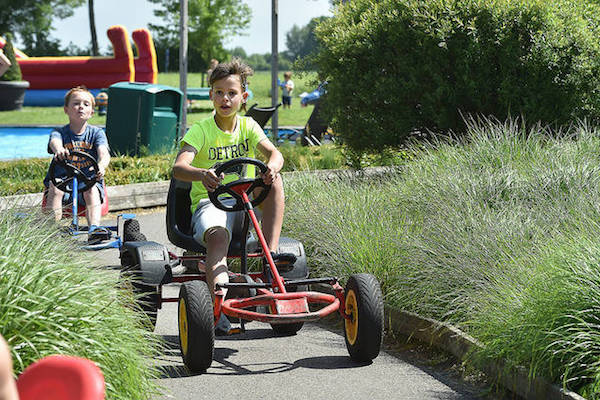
x=330 y=362
x=250 y=334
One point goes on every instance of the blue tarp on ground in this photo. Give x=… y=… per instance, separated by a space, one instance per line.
x=49 y=97
x=56 y=97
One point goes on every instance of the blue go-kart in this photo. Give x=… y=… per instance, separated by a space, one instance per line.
x=73 y=180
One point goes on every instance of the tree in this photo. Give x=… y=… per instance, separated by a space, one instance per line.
x=210 y=23
x=239 y=52
x=402 y=69
x=31 y=22
x=302 y=41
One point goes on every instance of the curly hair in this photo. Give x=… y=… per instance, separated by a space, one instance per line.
x=233 y=67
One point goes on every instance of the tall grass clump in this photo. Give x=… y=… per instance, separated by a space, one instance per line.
x=302 y=158
x=496 y=233
x=52 y=301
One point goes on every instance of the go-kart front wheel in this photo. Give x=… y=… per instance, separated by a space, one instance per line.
x=363 y=331
x=196 y=326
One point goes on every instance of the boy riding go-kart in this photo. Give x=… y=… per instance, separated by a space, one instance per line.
x=209 y=210
x=280 y=299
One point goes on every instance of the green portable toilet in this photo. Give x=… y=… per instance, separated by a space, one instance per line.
x=142 y=116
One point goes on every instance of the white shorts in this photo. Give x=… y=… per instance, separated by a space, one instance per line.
x=207 y=217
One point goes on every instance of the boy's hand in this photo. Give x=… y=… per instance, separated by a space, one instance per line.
x=210 y=180
x=270 y=175
x=101 y=172
x=61 y=153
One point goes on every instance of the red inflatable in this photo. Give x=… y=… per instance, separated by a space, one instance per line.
x=61 y=378
x=94 y=72
x=146 y=67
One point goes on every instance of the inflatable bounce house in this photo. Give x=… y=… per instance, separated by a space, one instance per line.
x=51 y=77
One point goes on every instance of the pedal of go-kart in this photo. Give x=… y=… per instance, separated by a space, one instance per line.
x=235 y=331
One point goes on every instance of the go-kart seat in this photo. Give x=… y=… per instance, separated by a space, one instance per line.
x=261 y=114
x=68 y=209
x=179 y=217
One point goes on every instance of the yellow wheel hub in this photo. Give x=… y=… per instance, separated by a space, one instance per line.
x=183 y=326
x=351 y=324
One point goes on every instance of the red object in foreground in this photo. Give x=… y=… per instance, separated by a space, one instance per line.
x=61 y=378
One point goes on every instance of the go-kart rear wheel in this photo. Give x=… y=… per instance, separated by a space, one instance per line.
x=293 y=328
x=131 y=225
x=131 y=231
x=134 y=237
x=363 y=332
x=196 y=326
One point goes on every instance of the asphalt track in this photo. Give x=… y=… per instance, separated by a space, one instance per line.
x=313 y=364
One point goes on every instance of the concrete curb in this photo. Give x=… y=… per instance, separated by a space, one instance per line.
x=452 y=340
x=154 y=194
x=121 y=197
x=460 y=344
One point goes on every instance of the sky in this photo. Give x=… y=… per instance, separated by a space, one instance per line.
x=134 y=14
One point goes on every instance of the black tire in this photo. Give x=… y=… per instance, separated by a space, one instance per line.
x=134 y=237
x=293 y=328
x=364 y=331
x=131 y=226
x=146 y=296
x=196 y=326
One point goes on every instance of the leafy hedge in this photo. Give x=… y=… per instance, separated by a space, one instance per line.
x=26 y=175
x=397 y=67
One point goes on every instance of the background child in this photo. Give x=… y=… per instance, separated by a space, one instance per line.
x=286 y=89
x=205 y=144
x=78 y=135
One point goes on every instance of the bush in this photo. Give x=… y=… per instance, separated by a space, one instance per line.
x=14 y=71
x=398 y=67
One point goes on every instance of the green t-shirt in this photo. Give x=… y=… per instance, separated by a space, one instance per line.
x=215 y=146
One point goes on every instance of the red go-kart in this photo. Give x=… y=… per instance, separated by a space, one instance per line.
x=277 y=295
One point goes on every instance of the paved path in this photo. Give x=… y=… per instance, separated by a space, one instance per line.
x=313 y=364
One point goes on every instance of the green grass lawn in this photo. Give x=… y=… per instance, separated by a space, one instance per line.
x=260 y=84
